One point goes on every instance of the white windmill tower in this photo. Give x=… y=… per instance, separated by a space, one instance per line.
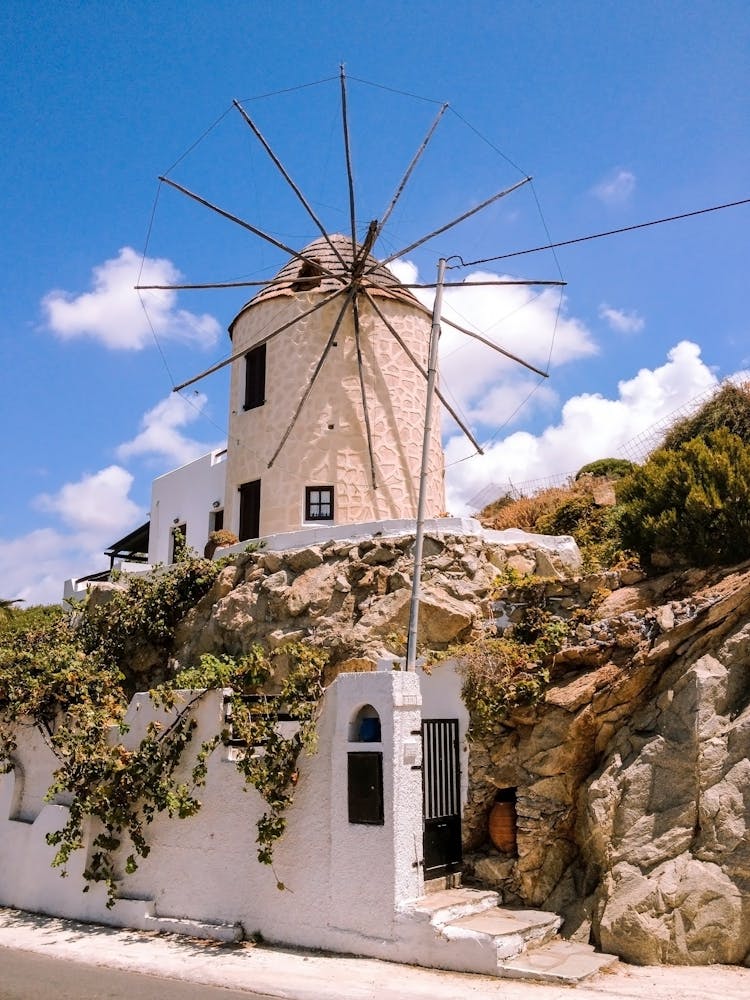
x=326 y=418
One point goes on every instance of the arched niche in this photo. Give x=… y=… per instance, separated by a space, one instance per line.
x=365 y=726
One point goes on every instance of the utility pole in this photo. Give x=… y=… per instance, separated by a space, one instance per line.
x=411 y=646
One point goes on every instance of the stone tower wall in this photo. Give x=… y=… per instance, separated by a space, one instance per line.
x=328 y=445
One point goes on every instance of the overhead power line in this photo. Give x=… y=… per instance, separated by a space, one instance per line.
x=609 y=232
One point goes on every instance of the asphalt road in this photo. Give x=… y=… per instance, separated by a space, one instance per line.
x=27 y=976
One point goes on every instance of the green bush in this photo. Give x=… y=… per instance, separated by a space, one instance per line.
x=596 y=529
x=690 y=502
x=499 y=675
x=609 y=468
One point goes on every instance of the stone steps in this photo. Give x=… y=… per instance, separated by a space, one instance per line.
x=477 y=935
x=512 y=931
x=449 y=904
x=557 y=961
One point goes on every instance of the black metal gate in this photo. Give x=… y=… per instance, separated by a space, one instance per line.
x=441 y=789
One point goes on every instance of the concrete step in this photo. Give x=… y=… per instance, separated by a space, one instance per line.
x=556 y=961
x=133 y=910
x=438 y=908
x=195 y=928
x=140 y=912
x=512 y=931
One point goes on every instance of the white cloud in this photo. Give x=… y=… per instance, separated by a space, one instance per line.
x=524 y=320
x=96 y=510
x=34 y=566
x=98 y=505
x=616 y=188
x=620 y=320
x=590 y=427
x=161 y=436
x=112 y=313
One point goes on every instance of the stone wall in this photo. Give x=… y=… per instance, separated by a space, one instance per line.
x=352 y=597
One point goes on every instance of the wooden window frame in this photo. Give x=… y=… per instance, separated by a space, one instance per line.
x=312 y=507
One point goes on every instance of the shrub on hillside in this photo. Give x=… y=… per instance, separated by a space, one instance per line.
x=565 y=510
x=595 y=528
x=690 y=502
x=729 y=408
x=609 y=468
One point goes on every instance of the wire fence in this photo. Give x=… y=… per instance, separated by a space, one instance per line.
x=635 y=449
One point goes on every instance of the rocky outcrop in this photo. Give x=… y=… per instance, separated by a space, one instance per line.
x=352 y=597
x=632 y=777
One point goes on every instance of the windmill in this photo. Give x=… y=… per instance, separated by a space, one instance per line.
x=333 y=367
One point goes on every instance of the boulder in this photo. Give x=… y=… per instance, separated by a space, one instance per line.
x=441 y=618
x=312 y=591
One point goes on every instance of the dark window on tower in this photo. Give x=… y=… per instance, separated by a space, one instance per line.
x=319 y=503
x=255 y=377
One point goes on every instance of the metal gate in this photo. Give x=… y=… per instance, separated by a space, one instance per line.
x=441 y=790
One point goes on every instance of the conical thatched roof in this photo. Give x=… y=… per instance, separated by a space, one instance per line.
x=302 y=276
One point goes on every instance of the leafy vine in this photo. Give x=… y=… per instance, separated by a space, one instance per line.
x=69 y=677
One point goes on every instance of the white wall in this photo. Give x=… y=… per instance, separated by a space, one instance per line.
x=345 y=882
x=186 y=496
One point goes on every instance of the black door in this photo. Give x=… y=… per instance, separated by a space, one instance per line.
x=441 y=788
x=250 y=510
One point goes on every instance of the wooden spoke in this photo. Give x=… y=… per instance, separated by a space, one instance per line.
x=368 y=430
x=311 y=383
x=500 y=350
x=284 y=173
x=246 y=225
x=348 y=154
x=410 y=169
x=423 y=371
x=454 y=222
x=264 y=340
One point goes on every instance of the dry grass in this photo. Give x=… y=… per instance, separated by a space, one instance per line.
x=525 y=512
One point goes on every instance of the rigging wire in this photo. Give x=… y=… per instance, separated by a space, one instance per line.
x=395 y=90
x=290 y=90
x=487 y=141
x=609 y=232
x=140 y=296
x=198 y=141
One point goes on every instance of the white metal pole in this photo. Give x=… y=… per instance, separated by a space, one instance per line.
x=411 y=646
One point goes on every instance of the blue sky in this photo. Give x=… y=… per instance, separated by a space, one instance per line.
x=622 y=112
